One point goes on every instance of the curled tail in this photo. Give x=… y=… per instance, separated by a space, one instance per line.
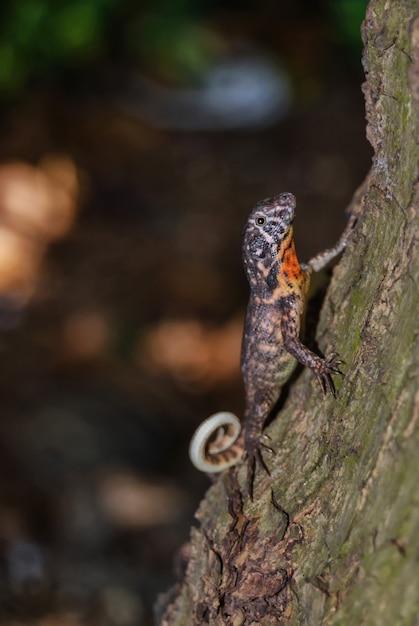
x=217 y=443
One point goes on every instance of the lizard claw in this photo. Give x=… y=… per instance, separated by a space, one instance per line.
x=265 y=445
x=329 y=367
x=333 y=361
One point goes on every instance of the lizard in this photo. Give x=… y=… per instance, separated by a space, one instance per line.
x=271 y=344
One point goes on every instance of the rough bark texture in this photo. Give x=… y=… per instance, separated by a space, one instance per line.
x=333 y=536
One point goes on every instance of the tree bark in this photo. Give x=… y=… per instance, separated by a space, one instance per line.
x=332 y=536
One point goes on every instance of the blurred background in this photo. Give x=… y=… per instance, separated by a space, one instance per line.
x=135 y=138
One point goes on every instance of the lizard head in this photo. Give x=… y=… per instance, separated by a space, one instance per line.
x=268 y=226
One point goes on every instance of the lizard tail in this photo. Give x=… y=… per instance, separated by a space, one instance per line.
x=217 y=443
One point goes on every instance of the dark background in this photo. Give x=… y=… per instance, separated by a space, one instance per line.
x=121 y=289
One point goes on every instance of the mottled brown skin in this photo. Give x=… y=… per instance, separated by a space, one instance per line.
x=278 y=291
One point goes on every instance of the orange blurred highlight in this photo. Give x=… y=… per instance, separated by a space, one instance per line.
x=131 y=502
x=193 y=353
x=37 y=205
x=19 y=262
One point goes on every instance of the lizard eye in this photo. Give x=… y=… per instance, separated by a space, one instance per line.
x=260 y=221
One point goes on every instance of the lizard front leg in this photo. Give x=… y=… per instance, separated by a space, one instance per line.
x=323 y=368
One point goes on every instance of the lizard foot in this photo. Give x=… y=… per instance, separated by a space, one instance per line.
x=325 y=369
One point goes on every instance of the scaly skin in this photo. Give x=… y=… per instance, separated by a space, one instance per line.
x=278 y=293
x=271 y=346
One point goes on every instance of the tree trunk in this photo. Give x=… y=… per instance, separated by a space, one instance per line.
x=332 y=537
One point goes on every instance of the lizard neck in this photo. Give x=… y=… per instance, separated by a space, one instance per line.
x=289 y=269
x=286 y=276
